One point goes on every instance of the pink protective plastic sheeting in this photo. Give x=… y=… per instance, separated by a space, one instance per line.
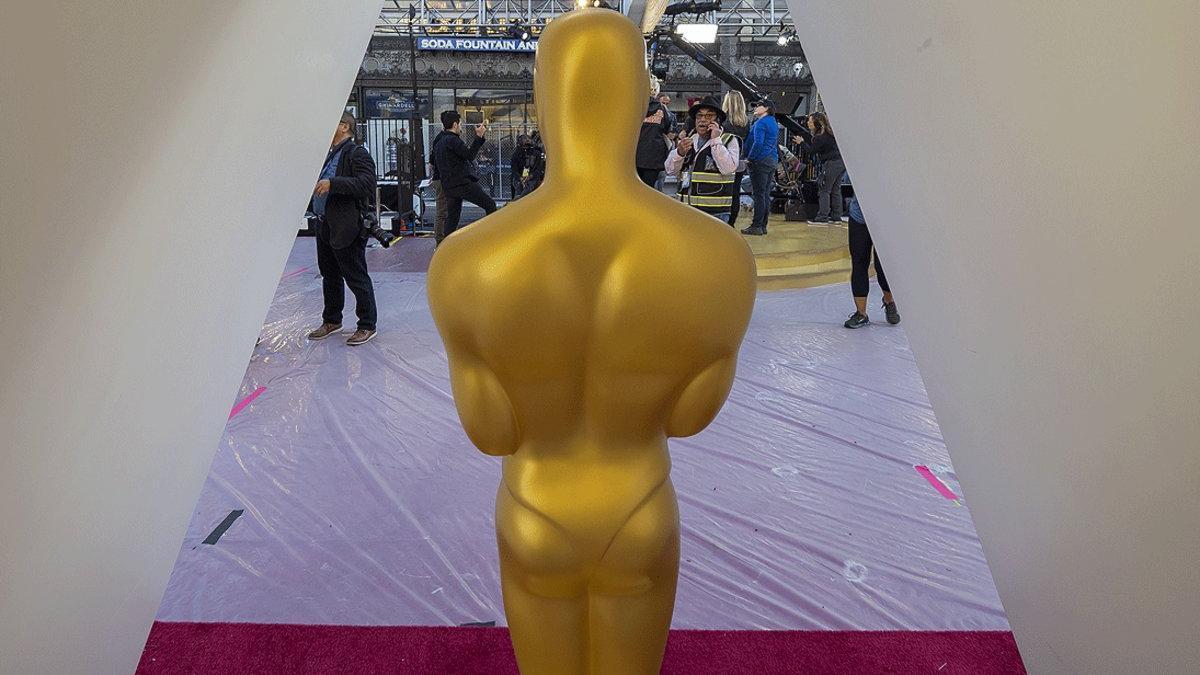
x=364 y=502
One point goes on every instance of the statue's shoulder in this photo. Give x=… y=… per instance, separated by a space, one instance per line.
x=463 y=264
x=719 y=247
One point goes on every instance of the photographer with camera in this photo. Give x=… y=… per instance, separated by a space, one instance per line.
x=452 y=157
x=707 y=161
x=341 y=197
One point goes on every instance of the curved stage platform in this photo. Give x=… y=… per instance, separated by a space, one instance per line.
x=823 y=528
x=800 y=255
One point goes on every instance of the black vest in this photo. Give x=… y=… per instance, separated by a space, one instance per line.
x=707 y=188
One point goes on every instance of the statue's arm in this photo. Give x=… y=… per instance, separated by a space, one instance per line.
x=702 y=398
x=483 y=406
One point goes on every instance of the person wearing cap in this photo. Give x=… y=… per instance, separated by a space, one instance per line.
x=762 y=157
x=706 y=161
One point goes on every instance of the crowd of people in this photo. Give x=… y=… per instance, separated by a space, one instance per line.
x=710 y=153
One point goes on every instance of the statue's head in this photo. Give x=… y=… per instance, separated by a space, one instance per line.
x=591 y=85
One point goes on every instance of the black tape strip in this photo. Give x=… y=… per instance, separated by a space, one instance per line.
x=225 y=525
x=479 y=624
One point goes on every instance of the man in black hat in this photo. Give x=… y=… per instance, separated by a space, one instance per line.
x=706 y=161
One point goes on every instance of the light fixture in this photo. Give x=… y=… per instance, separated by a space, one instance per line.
x=517 y=31
x=783 y=40
x=698 y=33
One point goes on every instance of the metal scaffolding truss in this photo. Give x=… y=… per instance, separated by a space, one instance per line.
x=740 y=18
x=758 y=18
x=468 y=17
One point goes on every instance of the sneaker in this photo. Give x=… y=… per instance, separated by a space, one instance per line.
x=361 y=337
x=756 y=231
x=324 y=331
x=819 y=220
x=857 y=320
x=893 y=316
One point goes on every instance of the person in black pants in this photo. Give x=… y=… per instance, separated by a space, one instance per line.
x=738 y=124
x=517 y=165
x=861 y=248
x=821 y=141
x=453 y=159
x=344 y=191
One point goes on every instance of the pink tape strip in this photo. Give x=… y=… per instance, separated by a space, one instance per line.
x=299 y=271
x=936 y=482
x=246 y=401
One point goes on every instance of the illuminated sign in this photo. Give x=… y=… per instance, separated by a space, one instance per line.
x=475 y=44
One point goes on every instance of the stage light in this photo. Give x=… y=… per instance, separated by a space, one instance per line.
x=698 y=33
x=783 y=40
x=517 y=31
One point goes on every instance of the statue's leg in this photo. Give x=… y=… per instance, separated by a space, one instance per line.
x=633 y=595
x=545 y=591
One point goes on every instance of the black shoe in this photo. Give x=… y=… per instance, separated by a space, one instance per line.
x=756 y=231
x=818 y=220
x=893 y=316
x=857 y=320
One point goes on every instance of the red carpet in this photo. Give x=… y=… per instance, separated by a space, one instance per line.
x=262 y=648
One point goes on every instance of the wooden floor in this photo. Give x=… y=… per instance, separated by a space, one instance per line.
x=799 y=255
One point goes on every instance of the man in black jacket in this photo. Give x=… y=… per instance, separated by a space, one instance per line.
x=345 y=189
x=453 y=160
x=652 y=148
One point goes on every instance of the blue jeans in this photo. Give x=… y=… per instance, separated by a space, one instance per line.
x=762 y=176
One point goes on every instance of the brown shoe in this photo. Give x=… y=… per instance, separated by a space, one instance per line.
x=324 y=331
x=361 y=337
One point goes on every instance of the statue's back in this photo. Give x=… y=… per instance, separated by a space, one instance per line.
x=595 y=319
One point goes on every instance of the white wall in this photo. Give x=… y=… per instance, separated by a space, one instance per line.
x=135 y=280
x=1031 y=173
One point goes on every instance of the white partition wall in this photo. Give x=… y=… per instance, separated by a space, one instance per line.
x=157 y=158
x=1030 y=174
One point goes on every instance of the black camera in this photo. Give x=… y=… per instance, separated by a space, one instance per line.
x=370 y=226
x=691 y=7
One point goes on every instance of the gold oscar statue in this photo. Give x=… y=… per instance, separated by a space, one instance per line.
x=584 y=325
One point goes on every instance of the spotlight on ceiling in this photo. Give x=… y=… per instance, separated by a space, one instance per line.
x=698 y=33
x=518 y=31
